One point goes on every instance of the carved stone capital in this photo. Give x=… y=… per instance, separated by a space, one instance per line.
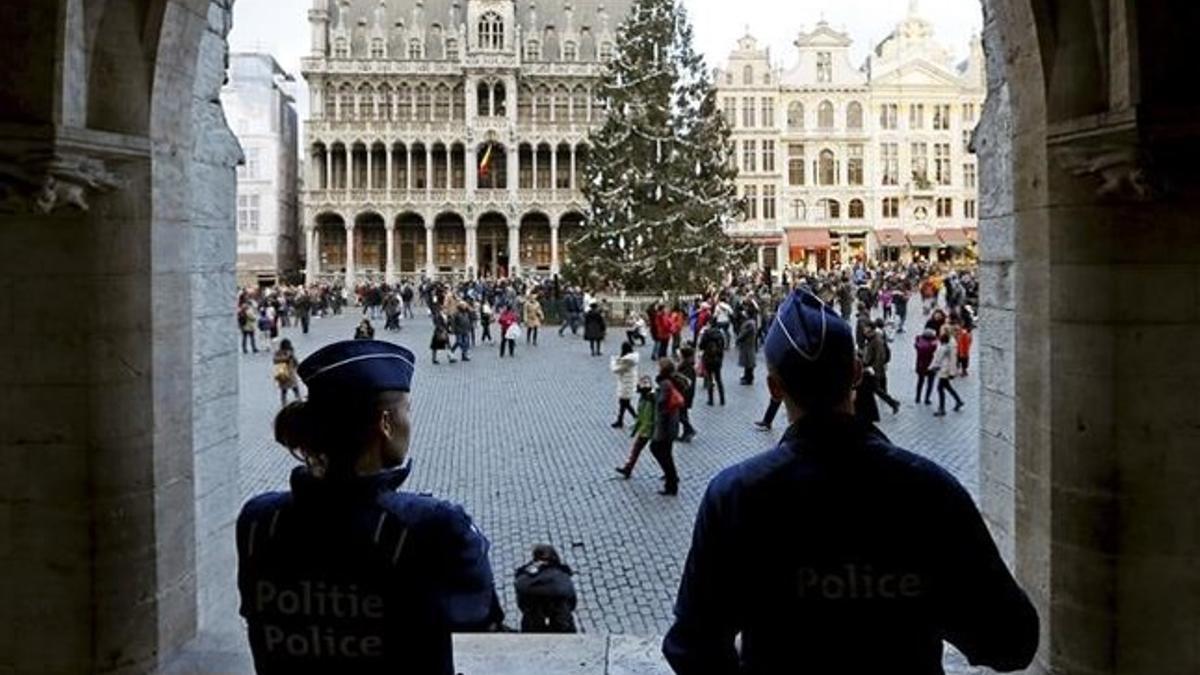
x=47 y=169
x=1111 y=155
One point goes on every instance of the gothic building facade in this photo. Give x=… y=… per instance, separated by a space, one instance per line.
x=839 y=162
x=447 y=137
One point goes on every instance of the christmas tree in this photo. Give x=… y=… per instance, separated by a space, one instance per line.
x=660 y=181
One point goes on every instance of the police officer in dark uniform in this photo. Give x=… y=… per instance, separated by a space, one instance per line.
x=344 y=574
x=838 y=552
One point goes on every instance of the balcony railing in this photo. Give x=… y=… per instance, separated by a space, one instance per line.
x=357 y=197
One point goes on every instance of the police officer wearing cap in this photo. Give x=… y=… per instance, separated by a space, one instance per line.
x=344 y=573
x=838 y=552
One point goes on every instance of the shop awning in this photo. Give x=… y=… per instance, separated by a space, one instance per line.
x=924 y=240
x=808 y=239
x=954 y=237
x=891 y=238
x=759 y=239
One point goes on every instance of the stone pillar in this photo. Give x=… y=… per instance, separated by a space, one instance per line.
x=555 y=259
x=449 y=168
x=512 y=157
x=554 y=172
x=574 y=183
x=514 y=249
x=349 y=170
x=472 y=171
x=472 y=261
x=316 y=252
x=430 y=268
x=350 y=275
x=312 y=255
x=389 y=267
x=390 y=172
x=491 y=112
x=370 y=167
x=534 y=154
x=429 y=172
x=328 y=167
x=408 y=176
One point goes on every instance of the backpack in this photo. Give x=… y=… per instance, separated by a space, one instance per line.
x=283 y=372
x=675 y=400
x=682 y=382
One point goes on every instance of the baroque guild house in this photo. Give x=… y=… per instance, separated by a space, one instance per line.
x=839 y=163
x=447 y=137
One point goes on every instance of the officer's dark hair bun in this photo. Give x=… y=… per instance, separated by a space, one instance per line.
x=328 y=435
x=291 y=428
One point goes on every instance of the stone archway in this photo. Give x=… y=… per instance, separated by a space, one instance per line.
x=536 y=244
x=410 y=245
x=570 y=226
x=117 y=459
x=492 y=246
x=331 y=247
x=370 y=247
x=449 y=245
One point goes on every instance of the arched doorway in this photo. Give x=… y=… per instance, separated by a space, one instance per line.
x=493 y=166
x=410 y=244
x=570 y=226
x=449 y=245
x=492 y=245
x=370 y=247
x=331 y=247
x=536 y=254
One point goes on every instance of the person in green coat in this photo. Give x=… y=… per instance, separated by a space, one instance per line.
x=643 y=427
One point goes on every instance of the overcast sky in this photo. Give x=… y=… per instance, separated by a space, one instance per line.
x=280 y=27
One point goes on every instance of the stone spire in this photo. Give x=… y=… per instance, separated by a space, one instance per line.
x=914 y=7
x=380 y=16
x=533 y=23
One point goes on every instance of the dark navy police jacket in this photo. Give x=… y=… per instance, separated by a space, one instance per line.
x=838 y=552
x=355 y=577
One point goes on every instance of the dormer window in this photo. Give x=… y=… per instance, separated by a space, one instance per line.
x=824 y=67
x=414 y=49
x=570 y=51
x=533 y=51
x=377 y=51
x=606 y=51
x=341 y=48
x=452 y=49
x=748 y=75
x=491 y=31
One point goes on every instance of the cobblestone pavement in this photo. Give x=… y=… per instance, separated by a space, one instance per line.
x=525 y=445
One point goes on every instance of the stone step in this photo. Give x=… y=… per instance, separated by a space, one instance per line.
x=491 y=654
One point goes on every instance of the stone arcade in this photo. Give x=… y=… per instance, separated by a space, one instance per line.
x=117 y=491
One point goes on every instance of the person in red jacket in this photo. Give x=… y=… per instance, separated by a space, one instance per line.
x=663 y=326
x=678 y=320
x=963 y=345
x=926 y=345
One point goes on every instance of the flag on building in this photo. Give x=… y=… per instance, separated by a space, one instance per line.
x=486 y=165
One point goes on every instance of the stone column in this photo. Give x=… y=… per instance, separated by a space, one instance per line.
x=472 y=261
x=449 y=167
x=390 y=173
x=316 y=252
x=328 y=167
x=555 y=263
x=511 y=158
x=536 y=149
x=408 y=176
x=472 y=171
x=349 y=170
x=429 y=172
x=312 y=254
x=430 y=269
x=554 y=173
x=350 y=276
x=389 y=266
x=370 y=168
x=514 y=249
x=491 y=112
x=574 y=184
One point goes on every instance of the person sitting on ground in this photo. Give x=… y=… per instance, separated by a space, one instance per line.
x=344 y=573
x=545 y=593
x=867 y=556
x=364 y=331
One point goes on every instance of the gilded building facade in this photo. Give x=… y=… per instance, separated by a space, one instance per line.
x=447 y=137
x=839 y=162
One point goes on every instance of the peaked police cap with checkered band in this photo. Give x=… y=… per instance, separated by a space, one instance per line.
x=810 y=346
x=357 y=366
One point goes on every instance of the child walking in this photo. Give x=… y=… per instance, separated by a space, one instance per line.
x=643 y=429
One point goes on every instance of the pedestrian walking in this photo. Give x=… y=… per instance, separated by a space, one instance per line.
x=485 y=322
x=247 y=323
x=594 y=328
x=685 y=378
x=668 y=402
x=943 y=361
x=926 y=346
x=509 y=331
x=460 y=326
x=962 y=341
x=284 y=365
x=364 y=330
x=441 y=331
x=643 y=428
x=712 y=358
x=625 y=367
x=747 y=343
x=876 y=356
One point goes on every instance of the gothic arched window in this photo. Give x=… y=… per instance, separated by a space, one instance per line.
x=857 y=210
x=854 y=115
x=826 y=168
x=796 y=115
x=491 y=31
x=825 y=115
x=570 y=52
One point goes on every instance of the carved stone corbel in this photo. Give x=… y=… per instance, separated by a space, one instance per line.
x=44 y=170
x=1109 y=153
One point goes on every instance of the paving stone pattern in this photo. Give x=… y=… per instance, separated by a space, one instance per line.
x=525 y=445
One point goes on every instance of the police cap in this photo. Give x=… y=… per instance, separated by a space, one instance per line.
x=812 y=349
x=356 y=367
